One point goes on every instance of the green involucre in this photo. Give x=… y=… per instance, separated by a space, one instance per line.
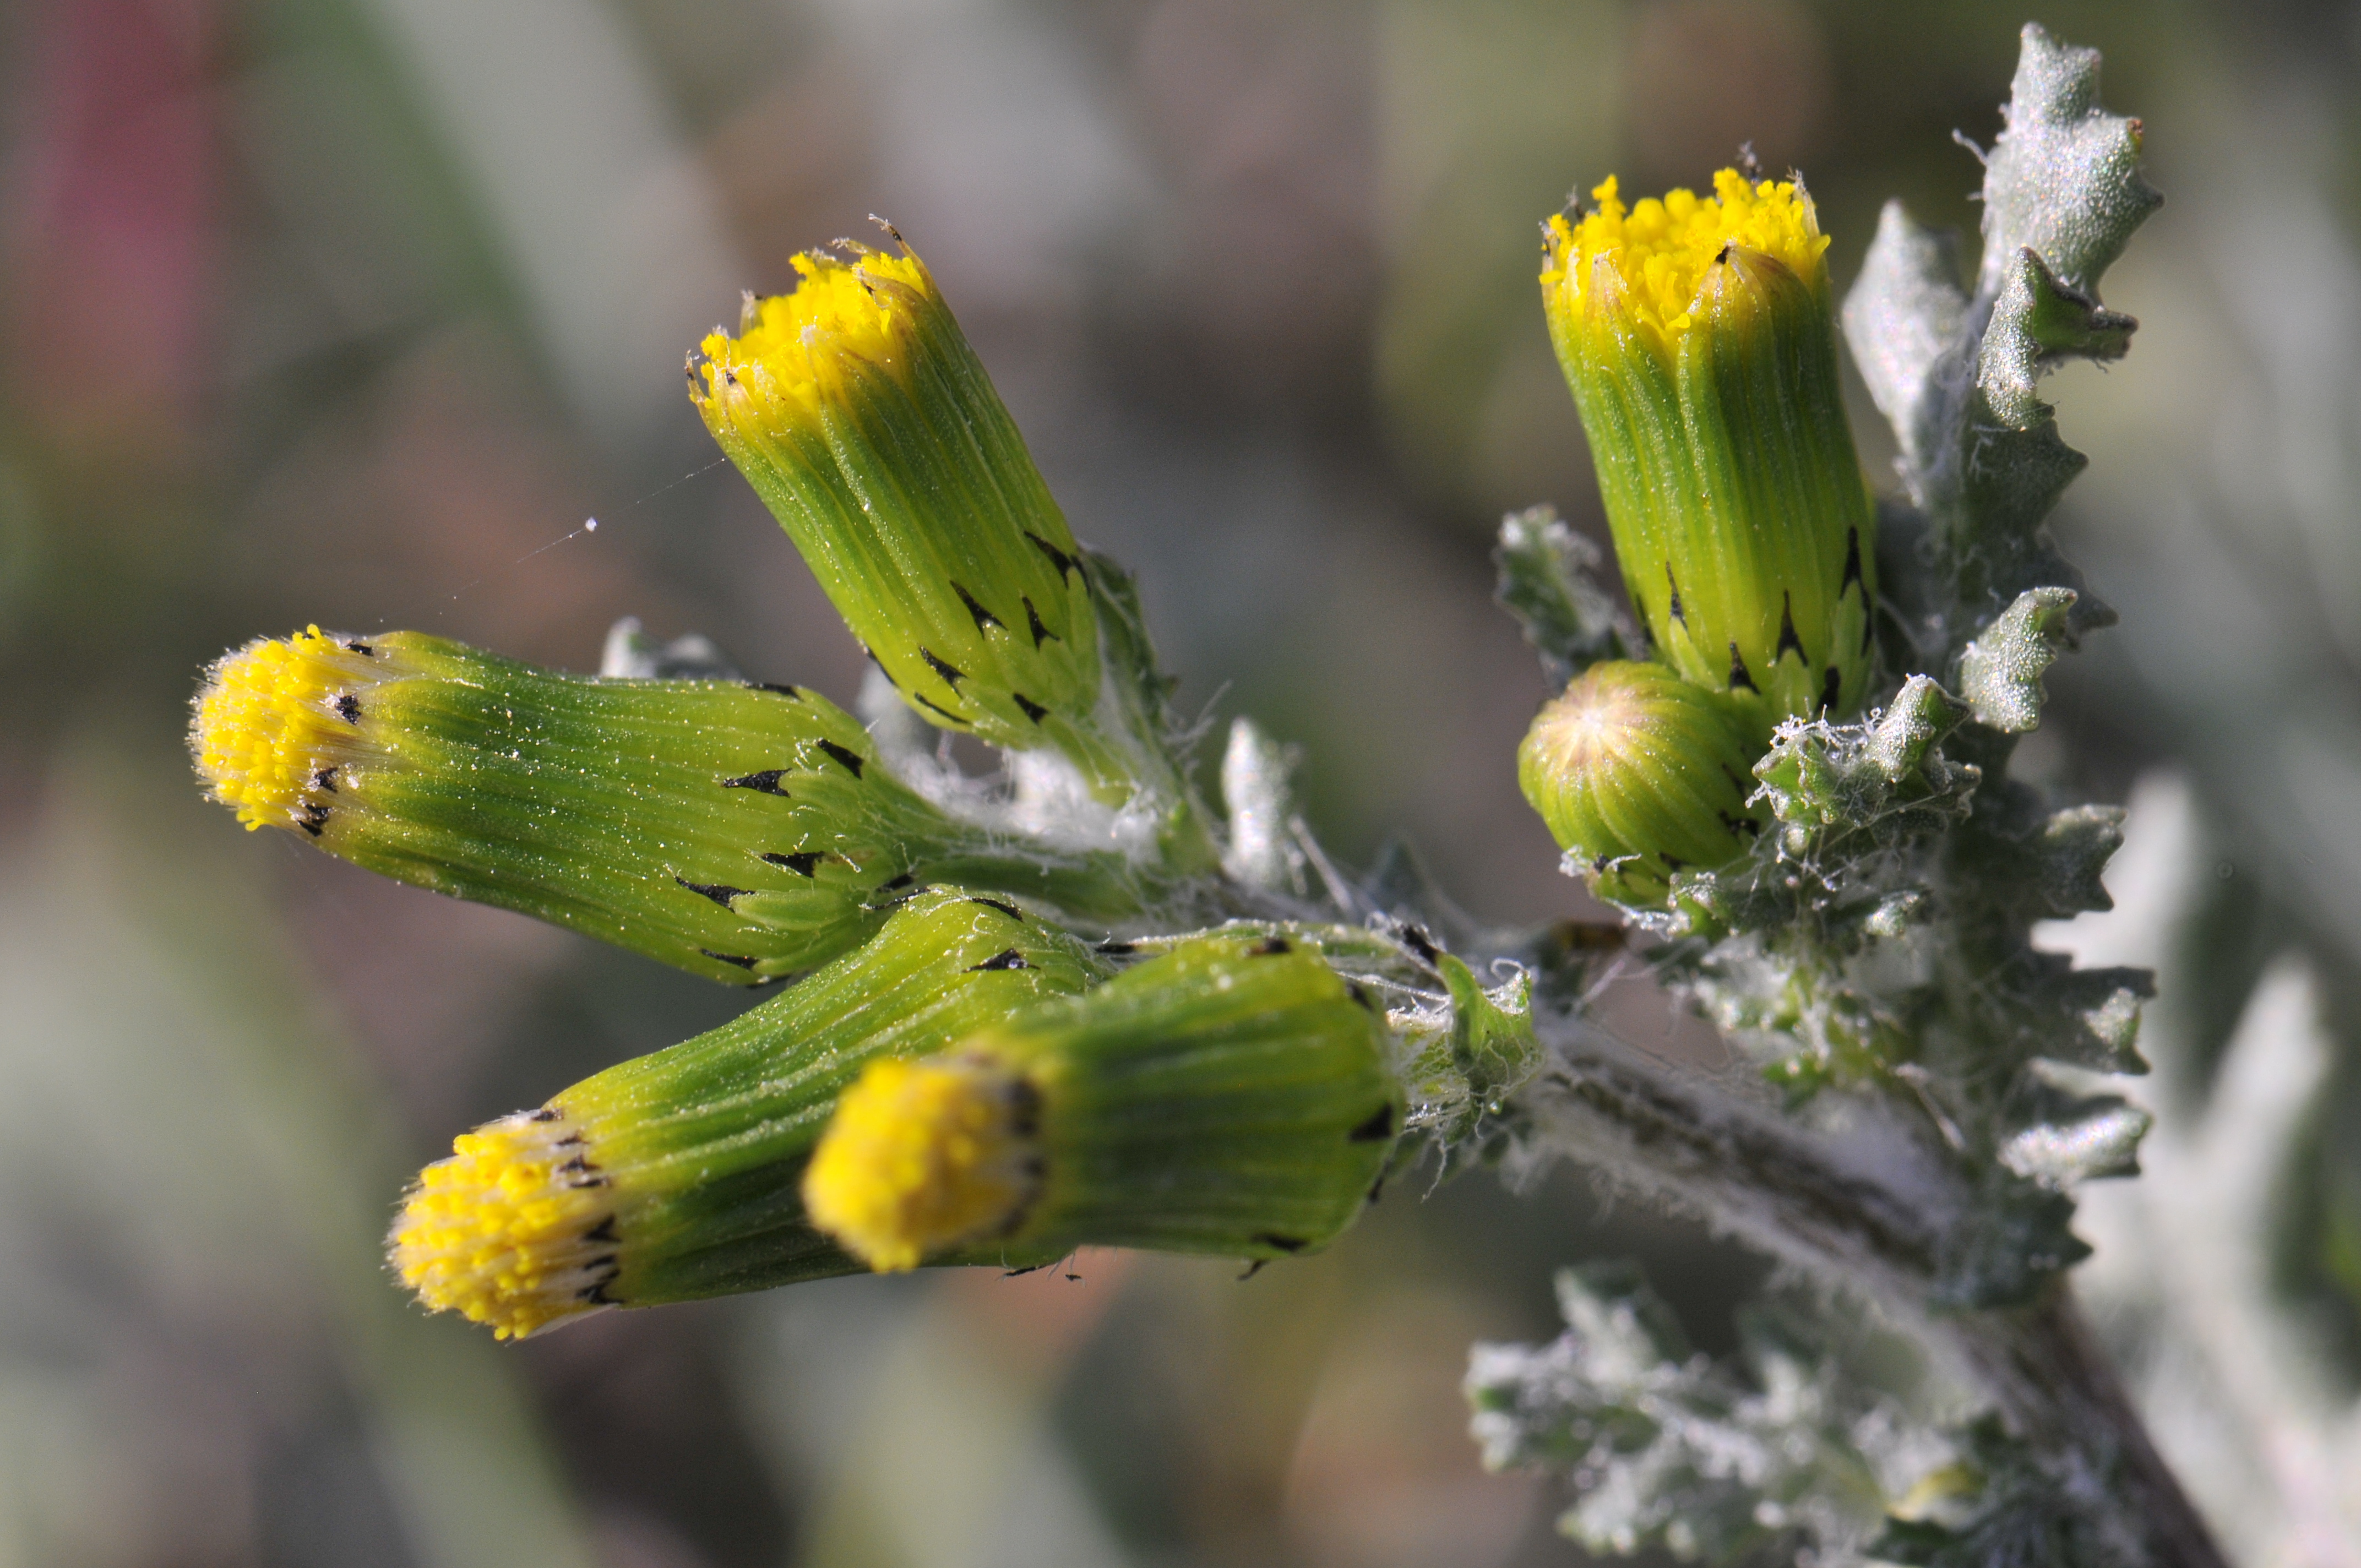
x=1230 y=1097
x=742 y=832
x=909 y=491
x=1740 y=515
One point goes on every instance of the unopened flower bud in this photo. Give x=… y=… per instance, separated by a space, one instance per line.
x=1230 y=1097
x=1640 y=775
x=679 y=1175
x=1697 y=335
x=858 y=412
x=743 y=832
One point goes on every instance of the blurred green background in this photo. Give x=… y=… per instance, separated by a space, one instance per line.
x=353 y=311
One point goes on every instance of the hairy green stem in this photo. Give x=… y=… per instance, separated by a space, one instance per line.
x=2055 y=1385
x=1865 y=1207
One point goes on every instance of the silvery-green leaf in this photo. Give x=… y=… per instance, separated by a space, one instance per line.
x=2064 y=178
x=2000 y=672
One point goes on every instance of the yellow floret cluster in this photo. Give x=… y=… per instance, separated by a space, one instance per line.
x=921 y=1156
x=1661 y=249
x=514 y=1231
x=267 y=724
x=795 y=350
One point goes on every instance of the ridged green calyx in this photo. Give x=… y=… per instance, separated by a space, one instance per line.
x=859 y=413
x=742 y=832
x=679 y=1175
x=1641 y=774
x=1699 y=338
x=1230 y=1097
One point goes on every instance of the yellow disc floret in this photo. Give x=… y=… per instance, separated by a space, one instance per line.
x=272 y=718
x=921 y=1156
x=515 y=1231
x=1660 y=251
x=793 y=352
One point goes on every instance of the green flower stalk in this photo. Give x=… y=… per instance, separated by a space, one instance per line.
x=1640 y=775
x=857 y=410
x=1231 y=1096
x=678 y=1176
x=742 y=832
x=1698 y=336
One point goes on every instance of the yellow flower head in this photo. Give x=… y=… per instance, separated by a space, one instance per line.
x=862 y=416
x=275 y=720
x=795 y=353
x=1698 y=337
x=922 y=1155
x=1648 y=264
x=515 y=1231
